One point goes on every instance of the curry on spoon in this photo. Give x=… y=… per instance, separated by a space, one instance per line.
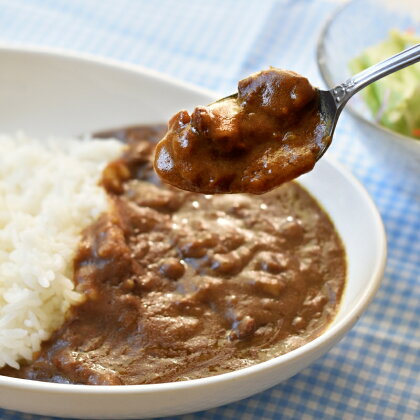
x=273 y=130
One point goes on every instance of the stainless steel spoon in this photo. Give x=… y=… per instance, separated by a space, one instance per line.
x=332 y=102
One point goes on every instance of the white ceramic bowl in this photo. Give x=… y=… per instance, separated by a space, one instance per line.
x=47 y=92
x=354 y=27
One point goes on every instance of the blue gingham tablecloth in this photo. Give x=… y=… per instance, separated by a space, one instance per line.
x=374 y=372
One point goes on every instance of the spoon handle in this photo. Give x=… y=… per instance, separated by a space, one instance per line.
x=346 y=90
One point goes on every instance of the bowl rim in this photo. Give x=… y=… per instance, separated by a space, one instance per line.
x=328 y=79
x=328 y=337
x=113 y=63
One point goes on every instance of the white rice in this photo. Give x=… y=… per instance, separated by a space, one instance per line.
x=48 y=194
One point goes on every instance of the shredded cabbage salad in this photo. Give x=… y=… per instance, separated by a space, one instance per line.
x=395 y=99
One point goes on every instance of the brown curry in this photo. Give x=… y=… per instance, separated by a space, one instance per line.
x=180 y=285
x=270 y=132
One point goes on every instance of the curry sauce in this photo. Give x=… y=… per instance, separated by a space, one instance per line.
x=180 y=285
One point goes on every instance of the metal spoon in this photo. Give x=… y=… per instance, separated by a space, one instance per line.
x=332 y=102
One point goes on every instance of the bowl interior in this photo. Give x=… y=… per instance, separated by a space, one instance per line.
x=48 y=93
x=348 y=204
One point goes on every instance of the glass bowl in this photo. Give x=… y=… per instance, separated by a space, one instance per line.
x=354 y=27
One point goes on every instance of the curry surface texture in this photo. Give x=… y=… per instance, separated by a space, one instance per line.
x=181 y=285
x=271 y=132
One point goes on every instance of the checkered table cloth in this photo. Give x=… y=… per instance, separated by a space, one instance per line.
x=374 y=372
